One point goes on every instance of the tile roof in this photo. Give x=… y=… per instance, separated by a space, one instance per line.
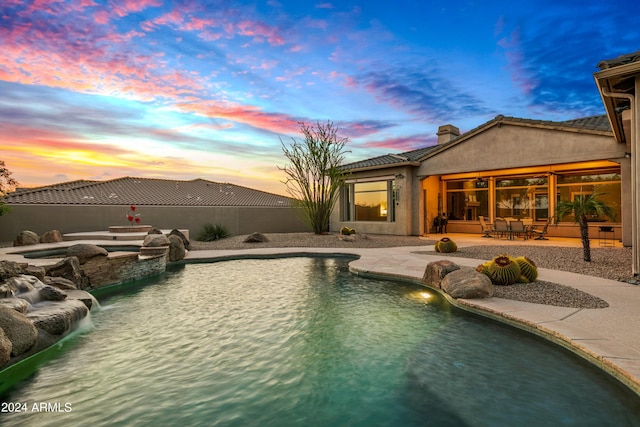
x=146 y=191
x=390 y=159
x=620 y=60
x=598 y=123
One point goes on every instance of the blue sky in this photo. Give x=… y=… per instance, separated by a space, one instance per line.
x=94 y=89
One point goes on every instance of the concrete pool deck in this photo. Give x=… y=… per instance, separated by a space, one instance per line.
x=608 y=337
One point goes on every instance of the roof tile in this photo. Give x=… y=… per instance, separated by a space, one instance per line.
x=147 y=191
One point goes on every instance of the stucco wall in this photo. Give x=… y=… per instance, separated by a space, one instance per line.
x=70 y=219
x=404 y=212
x=511 y=146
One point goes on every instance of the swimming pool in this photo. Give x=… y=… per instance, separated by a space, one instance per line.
x=301 y=341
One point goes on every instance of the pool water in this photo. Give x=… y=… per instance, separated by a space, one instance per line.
x=303 y=342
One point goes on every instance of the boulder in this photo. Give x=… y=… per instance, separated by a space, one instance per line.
x=59 y=282
x=49 y=293
x=18 y=284
x=18 y=304
x=176 y=248
x=155 y=240
x=85 y=297
x=5 y=348
x=9 y=269
x=20 y=331
x=436 y=271
x=52 y=236
x=35 y=271
x=346 y=238
x=25 y=238
x=58 y=317
x=256 y=238
x=84 y=252
x=467 y=283
x=155 y=230
x=69 y=268
x=185 y=241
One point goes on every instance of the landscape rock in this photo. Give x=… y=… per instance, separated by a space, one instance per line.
x=9 y=269
x=19 y=329
x=256 y=238
x=84 y=252
x=52 y=236
x=26 y=238
x=176 y=248
x=57 y=318
x=85 y=297
x=35 y=271
x=467 y=283
x=18 y=304
x=49 y=293
x=59 y=282
x=155 y=230
x=69 y=268
x=155 y=240
x=5 y=348
x=436 y=271
x=17 y=284
x=185 y=241
x=346 y=238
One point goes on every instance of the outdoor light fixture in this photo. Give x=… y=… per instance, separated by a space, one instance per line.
x=627 y=155
x=399 y=175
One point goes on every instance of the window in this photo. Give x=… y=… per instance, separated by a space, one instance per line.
x=522 y=198
x=466 y=200
x=370 y=201
x=605 y=183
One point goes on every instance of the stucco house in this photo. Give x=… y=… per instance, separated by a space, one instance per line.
x=506 y=167
x=79 y=206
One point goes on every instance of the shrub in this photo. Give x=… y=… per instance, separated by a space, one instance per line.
x=212 y=232
x=446 y=245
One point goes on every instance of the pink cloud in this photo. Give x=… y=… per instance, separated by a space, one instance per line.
x=260 y=31
x=126 y=7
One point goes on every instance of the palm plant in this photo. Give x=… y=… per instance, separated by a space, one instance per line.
x=582 y=208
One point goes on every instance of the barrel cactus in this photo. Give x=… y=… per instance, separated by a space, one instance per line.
x=446 y=245
x=345 y=231
x=504 y=270
x=528 y=269
x=484 y=268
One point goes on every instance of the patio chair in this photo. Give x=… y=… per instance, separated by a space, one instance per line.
x=487 y=229
x=540 y=232
x=517 y=229
x=501 y=228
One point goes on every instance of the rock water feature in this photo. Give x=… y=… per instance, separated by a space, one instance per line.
x=39 y=305
x=33 y=314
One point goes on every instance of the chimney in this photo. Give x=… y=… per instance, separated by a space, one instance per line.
x=446 y=133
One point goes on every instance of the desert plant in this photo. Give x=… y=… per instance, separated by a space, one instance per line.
x=7 y=184
x=345 y=231
x=446 y=245
x=528 y=269
x=504 y=270
x=212 y=232
x=314 y=175
x=582 y=207
x=352 y=231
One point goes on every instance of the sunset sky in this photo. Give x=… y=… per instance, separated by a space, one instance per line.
x=100 y=89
